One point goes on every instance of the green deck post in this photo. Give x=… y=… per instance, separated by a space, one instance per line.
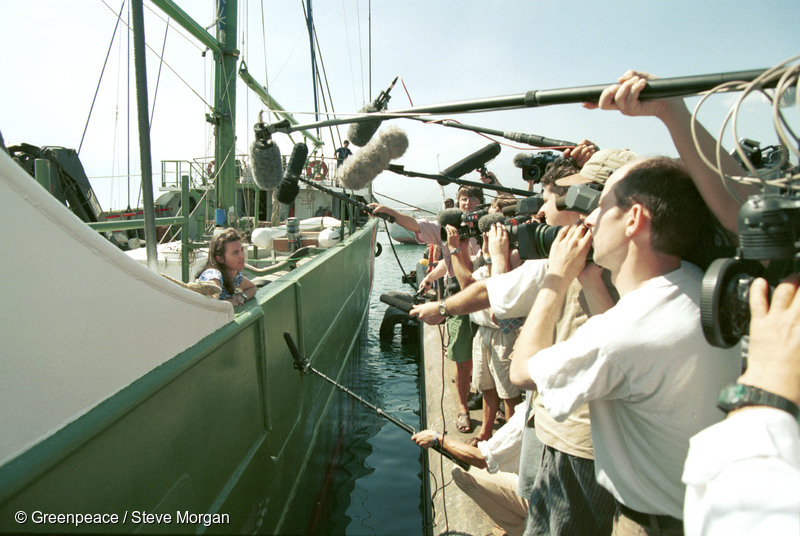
x=185 y=228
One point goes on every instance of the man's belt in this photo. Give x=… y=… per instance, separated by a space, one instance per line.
x=646 y=520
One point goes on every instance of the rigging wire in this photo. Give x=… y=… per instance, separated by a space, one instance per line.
x=403 y=203
x=103 y=70
x=324 y=75
x=171 y=68
x=361 y=55
x=349 y=52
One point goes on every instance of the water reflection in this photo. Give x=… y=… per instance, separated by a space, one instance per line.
x=376 y=486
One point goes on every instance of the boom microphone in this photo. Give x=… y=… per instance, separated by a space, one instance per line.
x=289 y=187
x=362 y=168
x=265 y=158
x=361 y=132
x=473 y=161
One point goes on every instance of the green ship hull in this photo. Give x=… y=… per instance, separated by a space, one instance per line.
x=224 y=437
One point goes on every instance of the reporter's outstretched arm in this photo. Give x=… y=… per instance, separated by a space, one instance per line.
x=438 y=272
x=624 y=97
x=462 y=451
x=404 y=220
x=473 y=298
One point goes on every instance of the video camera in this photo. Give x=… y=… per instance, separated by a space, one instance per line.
x=533 y=239
x=534 y=165
x=769 y=230
x=466 y=223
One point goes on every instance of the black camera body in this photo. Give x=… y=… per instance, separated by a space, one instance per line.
x=466 y=224
x=769 y=230
x=533 y=166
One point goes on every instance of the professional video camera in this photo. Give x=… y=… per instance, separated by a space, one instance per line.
x=533 y=239
x=466 y=223
x=530 y=206
x=534 y=165
x=769 y=230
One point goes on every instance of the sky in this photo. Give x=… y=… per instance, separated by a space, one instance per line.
x=443 y=51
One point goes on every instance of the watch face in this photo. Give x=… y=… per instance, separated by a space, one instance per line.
x=737 y=394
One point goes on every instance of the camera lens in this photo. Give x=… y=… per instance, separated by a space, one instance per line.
x=535 y=239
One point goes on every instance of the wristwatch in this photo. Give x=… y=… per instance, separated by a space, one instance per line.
x=737 y=395
x=443 y=309
x=455 y=250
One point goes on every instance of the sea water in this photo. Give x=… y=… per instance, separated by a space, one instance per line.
x=375 y=487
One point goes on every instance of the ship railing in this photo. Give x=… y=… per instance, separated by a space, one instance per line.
x=181 y=220
x=200 y=172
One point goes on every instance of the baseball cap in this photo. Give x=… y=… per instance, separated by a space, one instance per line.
x=600 y=167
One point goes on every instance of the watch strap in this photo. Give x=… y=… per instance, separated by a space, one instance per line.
x=739 y=395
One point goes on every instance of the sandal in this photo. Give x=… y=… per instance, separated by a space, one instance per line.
x=463 y=423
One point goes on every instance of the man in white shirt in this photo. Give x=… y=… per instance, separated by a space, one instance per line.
x=644 y=366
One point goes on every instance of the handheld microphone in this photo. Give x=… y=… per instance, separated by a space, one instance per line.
x=472 y=162
x=486 y=222
x=265 y=158
x=362 y=168
x=450 y=216
x=361 y=132
x=395 y=301
x=289 y=187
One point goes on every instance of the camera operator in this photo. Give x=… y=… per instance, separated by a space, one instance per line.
x=644 y=366
x=459 y=345
x=624 y=97
x=493 y=488
x=564 y=494
x=743 y=474
x=491 y=346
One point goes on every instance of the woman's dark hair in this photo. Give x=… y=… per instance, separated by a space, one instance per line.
x=216 y=248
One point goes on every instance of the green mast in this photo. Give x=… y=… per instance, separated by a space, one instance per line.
x=224 y=115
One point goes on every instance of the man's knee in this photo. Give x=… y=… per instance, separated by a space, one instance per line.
x=464 y=480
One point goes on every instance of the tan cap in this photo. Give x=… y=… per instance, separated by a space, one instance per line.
x=600 y=167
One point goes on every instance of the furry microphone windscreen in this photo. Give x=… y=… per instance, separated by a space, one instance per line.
x=372 y=159
x=361 y=132
x=450 y=216
x=523 y=160
x=486 y=222
x=266 y=161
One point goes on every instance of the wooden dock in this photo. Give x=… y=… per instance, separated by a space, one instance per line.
x=453 y=512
